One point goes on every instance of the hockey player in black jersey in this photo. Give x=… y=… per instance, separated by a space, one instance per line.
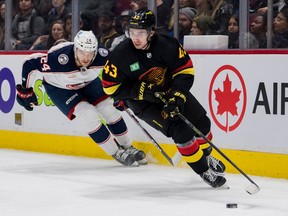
x=70 y=77
x=158 y=63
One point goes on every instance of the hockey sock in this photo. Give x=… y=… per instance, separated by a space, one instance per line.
x=204 y=145
x=120 y=131
x=103 y=138
x=193 y=155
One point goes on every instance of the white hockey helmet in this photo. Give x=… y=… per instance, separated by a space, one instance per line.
x=86 y=41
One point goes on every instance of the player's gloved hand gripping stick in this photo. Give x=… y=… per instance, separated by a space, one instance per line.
x=251 y=189
x=144 y=91
x=26 y=97
x=175 y=103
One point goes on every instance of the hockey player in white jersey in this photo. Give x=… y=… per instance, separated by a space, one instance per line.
x=70 y=77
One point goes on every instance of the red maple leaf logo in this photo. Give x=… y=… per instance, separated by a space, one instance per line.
x=227 y=99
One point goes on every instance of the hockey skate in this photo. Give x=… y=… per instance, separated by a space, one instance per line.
x=215 y=164
x=214 y=179
x=138 y=154
x=124 y=157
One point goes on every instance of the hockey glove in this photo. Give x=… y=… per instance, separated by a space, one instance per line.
x=144 y=91
x=26 y=97
x=120 y=105
x=175 y=104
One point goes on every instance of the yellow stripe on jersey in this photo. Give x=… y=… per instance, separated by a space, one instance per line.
x=111 y=90
x=189 y=71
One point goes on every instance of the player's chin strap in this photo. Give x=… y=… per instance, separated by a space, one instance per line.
x=149 y=38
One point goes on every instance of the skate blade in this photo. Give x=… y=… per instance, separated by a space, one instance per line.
x=142 y=162
x=224 y=186
x=135 y=164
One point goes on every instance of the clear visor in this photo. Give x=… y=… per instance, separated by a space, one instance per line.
x=137 y=33
x=81 y=53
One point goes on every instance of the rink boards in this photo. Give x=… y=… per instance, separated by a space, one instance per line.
x=245 y=94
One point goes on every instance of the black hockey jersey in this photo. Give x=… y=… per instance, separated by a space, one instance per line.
x=165 y=64
x=58 y=67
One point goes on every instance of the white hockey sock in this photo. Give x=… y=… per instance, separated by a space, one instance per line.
x=109 y=146
x=124 y=140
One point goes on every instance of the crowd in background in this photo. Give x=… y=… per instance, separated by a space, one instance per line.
x=39 y=24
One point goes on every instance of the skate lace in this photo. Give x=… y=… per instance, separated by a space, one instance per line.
x=209 y=175
x=121 y=155
x=213 y=162
x=132 y=150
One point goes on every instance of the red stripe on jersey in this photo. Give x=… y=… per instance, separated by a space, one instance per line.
x=187 y=65
x=106 y=83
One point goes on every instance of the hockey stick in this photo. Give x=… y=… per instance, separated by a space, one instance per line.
x=251 y=189
x=129 y=112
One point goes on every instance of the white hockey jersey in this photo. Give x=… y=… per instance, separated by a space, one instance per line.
x=58 y=67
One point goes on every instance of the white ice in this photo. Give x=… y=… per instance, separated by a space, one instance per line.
x=38 y=184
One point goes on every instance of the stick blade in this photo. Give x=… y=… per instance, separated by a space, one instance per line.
x=252 y=189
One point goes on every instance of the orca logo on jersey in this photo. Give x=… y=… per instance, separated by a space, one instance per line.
x=63 y=59
x=154 y=75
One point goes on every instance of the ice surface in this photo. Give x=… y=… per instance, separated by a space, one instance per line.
x=37 y=184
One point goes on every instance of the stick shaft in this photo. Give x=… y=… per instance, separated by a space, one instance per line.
x=215 y=147
x=149 y=136
x=196 y=130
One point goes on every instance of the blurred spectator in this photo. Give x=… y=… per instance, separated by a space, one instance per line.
x=186 y=3
x=203 y=7
x=45 y=42
x=163 y=13
x=260 y=6
x=91 y=9
x=43 y=7
x=138 y=4
x=233 y=34
x=68 y=26
x=280 y=24
x=202 y=25
x=124 y=21
x=61 y=8
x=2 y=24
x=182 y=4
x=120 y=6
x=258 y=28
x=27 y=25
x=222 y=10
x=186 y=16
x=107 y=31
x=57 y=33
x=169 y=3
x=163 y=16
x=236 y=4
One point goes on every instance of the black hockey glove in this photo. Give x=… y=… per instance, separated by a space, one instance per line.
x=175 y=104
x=120 y=105
x=26 y=97
x=144 y=91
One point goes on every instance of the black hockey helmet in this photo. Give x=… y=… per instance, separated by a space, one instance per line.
x=142 y=19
